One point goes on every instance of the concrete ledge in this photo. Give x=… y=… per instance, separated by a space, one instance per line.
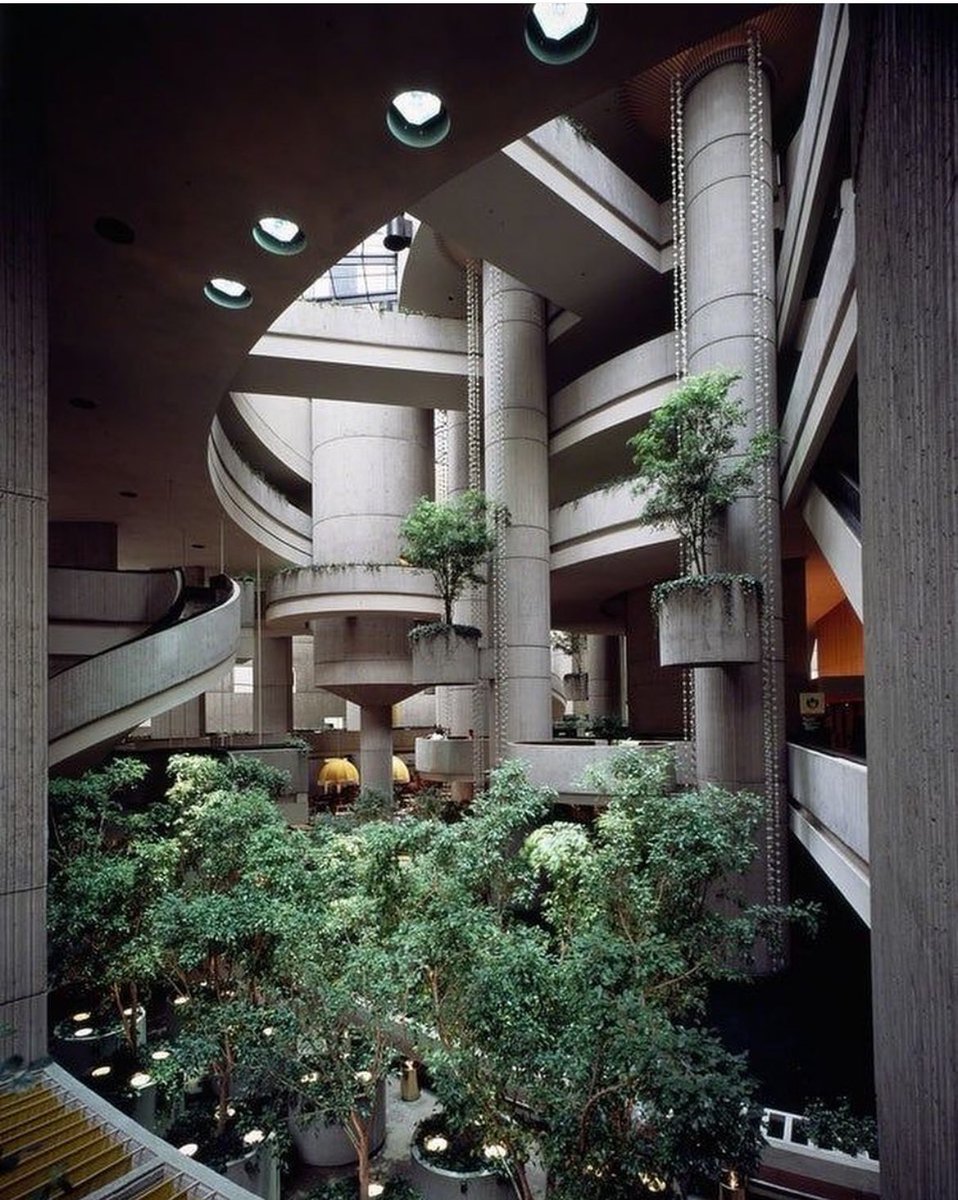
x=297 y=597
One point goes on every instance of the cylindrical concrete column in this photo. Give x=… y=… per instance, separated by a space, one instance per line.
x=376 y=747
x=517 y=475
x=371 y=463
x=729 y=327
x=23 y=538
x=904 y=83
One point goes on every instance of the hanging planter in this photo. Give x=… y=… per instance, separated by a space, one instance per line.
x=708 y=620
x=444 y=654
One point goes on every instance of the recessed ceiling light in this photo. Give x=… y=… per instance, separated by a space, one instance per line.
x=560 y=33
x=227 y=293
x=197 y=545
x=114 y=230
x=279 y=235
x=82 y=402
x=130 y=495
x=417 y=118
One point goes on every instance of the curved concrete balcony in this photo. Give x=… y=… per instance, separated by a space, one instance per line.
x=280 y=425
x=295 y=598
x=445 y=760
x=257 y=507
x=103 y=697
x=592 y=418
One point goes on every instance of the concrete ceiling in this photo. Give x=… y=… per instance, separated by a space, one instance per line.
x=190 y=122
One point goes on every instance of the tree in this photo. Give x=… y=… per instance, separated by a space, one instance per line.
x=683 y=456
x=452 y=540
x=108 y=863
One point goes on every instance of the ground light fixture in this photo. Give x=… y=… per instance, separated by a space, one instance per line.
x=560 y=33
x=279 y=235
x=227 y=293
x=417 y=118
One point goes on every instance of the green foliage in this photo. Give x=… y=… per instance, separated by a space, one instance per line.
x=683 y=456
x=704 y=583
x=610 y=727
x=451 y=540
x=836 y=1127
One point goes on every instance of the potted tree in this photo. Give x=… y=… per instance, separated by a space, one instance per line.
x=686 y=470
x=451 y=539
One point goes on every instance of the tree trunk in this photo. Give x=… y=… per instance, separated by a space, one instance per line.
x=359 y=1136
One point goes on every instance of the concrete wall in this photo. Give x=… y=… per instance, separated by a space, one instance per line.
x=905 y=81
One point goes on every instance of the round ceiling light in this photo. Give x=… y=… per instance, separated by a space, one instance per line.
x=279 y=235
x=560 y=33
x=228 y=293
x=417 y=118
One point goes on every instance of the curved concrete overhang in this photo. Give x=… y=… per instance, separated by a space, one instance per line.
x=294 y=598
x=600 y=552
x=190 y=122
x=257 y=508
x=592 y=418
x=340 y=352
x=278 y=427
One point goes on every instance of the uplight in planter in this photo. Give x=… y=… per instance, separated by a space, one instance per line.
x=364 y=1076
x=81 y=1018
x=254 y=1137
x=188 y=1148
x=160 y=1055
x=436 y=1144
x=83 y=1031
x=310 y=1077
x=495 y=1153
x=100 y=1072
x=376 y=1189
x=652 y=1183
x=179 y=1001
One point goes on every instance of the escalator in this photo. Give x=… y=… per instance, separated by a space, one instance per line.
x=129 y=645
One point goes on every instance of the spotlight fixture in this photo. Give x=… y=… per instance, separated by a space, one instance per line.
x=398 y=234
x=227 y=293
x=279 y=235
x=560 y=33
x=417 y=118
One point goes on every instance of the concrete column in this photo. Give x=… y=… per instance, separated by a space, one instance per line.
x=273 y=687
x=721 y=332
x=371 y=463
x=602 y=666
x=376 y=747
x=904 y=83
x=654 y=692
x=186 y=720
x=517 y=475
x=23 y=544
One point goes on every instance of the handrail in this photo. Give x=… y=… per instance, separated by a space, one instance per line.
x=106 y=695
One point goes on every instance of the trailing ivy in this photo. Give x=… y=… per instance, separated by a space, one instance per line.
x=749 y=585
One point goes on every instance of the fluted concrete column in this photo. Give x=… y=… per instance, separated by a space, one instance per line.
x=273 y=687
x=602 y=665
x=904 y=85
x=23 y=545
x=730 y=732
x=517 y=475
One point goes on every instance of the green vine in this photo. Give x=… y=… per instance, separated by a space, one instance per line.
x=433 y=629
x=749 y=585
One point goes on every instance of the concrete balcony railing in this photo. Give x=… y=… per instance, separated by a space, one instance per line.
x=831 y=819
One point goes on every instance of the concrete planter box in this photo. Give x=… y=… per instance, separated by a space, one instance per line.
x=445 y=657
x=710 y=626
x=445 y=759
x=257 y=1171
x=80 y=1054
x=326 y=1144
x=437 y=1183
